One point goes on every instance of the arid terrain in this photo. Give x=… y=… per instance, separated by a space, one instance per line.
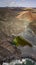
x=14 y=20
x=17 y=21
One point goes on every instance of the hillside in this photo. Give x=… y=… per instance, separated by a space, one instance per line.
x=15 y=21
x=10 y=22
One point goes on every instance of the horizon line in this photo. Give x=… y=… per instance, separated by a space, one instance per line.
x=17 y=6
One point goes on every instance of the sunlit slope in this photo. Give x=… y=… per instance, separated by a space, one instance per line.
x=25 y=15
x=29 y=19
x=14 y=21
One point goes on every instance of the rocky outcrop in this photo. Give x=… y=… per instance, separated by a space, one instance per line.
x=13 y=22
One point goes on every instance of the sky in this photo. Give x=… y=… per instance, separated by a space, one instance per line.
x=18 y=3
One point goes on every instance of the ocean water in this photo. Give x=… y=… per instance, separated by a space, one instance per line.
x=23 y=62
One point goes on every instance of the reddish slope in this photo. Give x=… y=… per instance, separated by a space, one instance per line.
x=27 y=15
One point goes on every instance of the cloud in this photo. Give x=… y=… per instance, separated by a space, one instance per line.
x=22 y=3
x=15 y=3
x=11 y=4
